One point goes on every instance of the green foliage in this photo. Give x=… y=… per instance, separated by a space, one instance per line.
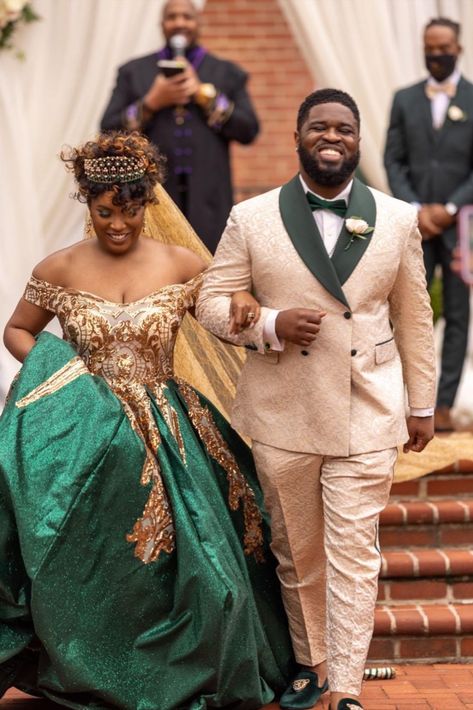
x=436 y=297
x=29 y=15
x=6 y=32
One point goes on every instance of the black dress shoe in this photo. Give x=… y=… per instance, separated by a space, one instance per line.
x=348 y=704
x=303 y=692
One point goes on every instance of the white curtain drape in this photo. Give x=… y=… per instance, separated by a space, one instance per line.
x=53 y=98
x=369 y=48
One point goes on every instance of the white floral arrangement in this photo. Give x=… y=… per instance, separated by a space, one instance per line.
x=12 y=13
x=358 y=229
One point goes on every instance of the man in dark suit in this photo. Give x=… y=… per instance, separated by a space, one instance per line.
x=192 y=117
x=429 y=162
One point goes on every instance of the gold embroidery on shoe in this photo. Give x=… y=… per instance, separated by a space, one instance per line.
x=68 y=373
x=239 y=490
x=300 y=684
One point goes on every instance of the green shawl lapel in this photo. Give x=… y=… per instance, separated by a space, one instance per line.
x=301 y=227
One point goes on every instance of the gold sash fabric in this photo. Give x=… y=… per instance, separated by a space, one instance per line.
x=443 y=451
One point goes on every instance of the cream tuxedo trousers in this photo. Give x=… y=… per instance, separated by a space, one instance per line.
x=324 y=522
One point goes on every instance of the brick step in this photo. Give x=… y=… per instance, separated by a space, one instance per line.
x=438 y=523
x=396 y=592
x=426 y=536
x=424 y=620
x=425 y=512
x=450 y=481
x=423 y=632
x=422 y=563
x=421 y=649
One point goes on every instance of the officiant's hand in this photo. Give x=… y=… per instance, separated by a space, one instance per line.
x=421 y=431
x=173 y=91
x=299 y=325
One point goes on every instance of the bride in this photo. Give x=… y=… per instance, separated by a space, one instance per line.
x=135 y=569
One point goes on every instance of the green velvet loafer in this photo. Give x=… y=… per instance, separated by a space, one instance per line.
x=348 y=704
x=303 y=692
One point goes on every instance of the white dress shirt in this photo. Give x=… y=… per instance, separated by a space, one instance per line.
x=439 y=104
x=329 y=225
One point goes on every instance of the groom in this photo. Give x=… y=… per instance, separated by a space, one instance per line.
x=345 y=329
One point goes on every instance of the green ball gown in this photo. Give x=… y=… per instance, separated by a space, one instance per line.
x=135 y=569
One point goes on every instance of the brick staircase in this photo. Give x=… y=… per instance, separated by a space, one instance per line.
x=425 y=600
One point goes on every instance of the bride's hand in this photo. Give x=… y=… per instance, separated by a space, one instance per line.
x=244 y=312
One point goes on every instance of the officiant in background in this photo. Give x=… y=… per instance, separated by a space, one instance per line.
x=192 y=116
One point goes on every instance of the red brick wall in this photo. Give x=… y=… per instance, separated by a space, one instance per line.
x=255 y=34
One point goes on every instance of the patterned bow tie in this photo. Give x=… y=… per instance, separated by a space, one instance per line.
x=447 y=88
x=316 y=203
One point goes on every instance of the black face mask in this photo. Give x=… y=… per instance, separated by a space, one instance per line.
x=440 y=66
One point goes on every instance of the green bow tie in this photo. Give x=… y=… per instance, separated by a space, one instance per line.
x=316 y=203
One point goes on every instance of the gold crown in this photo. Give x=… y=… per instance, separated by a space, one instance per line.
x=114 y=169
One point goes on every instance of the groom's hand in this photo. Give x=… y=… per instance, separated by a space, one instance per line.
x=421 y=431
x=299 y=325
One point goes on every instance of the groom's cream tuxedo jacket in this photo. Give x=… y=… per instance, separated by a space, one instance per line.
x=346 y=393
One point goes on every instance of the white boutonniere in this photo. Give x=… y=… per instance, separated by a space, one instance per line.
x=455 y=113
x=358 y=228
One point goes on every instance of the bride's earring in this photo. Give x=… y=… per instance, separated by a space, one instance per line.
x=89 y=228
x=144 y=229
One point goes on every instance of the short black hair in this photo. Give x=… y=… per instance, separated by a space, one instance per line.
x=444 y=22
x=326 y=96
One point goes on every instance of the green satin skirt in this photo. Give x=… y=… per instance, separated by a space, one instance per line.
x=82 y=620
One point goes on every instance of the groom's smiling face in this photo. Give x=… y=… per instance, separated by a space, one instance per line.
x=328 y=144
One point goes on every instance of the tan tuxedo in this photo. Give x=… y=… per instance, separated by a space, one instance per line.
x=339 y=403
x=317 y=415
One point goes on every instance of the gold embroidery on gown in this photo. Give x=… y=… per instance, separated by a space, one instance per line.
x=131 y=346
x=68 y=373
x=239 y=489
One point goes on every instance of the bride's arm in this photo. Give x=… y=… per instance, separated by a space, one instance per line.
x=244 y=312
x=35 y=310
x=27 y=321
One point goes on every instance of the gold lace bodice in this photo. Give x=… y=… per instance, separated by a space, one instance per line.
x=131 y=346
x=124 y=343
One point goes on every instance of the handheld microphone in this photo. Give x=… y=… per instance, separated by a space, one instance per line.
x=178 y=44
x=176 y=65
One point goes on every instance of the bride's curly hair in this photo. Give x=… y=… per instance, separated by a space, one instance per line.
x=117 y=143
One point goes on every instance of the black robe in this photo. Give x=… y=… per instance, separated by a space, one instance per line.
x=209 y=195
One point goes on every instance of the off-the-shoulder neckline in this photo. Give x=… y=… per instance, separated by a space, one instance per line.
x=96 y=297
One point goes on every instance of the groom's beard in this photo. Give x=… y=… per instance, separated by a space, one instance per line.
x=330 y=177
